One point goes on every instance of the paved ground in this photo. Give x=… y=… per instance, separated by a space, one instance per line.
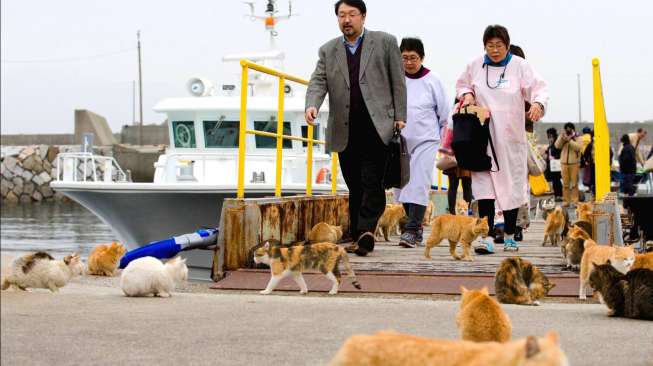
x=96 y=325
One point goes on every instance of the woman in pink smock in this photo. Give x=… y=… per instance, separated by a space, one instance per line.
x=502 y=82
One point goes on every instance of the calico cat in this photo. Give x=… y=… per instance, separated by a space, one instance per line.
x=462 y=207
x=389 y=221
x=455 y=229
x=545 y=206
x=389 y=348
x=621 y=258
x=147 y=276
x=324 y=257
x=481 y=319
x=104 y=259
x=41 y=270
x=629 y=295
x=323 y=232
x=427 y=214
x=585 y=226
x=643 y=261
x=518 y=281
x=554 y=226
x=574 y=247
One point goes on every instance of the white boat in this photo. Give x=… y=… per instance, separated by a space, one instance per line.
x=199 y=168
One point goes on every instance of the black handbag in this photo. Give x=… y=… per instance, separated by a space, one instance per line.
x=470 y=140
x=397 y=168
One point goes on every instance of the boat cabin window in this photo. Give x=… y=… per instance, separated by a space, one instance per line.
x=184 y=133
x=221 y=133
x=316 y=134
x=264 y=142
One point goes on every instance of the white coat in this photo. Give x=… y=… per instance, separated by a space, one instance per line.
x=428 y=110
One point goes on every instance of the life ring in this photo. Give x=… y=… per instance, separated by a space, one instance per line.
x=321 y=176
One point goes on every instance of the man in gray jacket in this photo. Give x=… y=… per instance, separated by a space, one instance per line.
x=363 y=74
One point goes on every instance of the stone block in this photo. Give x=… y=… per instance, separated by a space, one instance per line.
x=53 y=151
x=47 y=166
x=29 y=162
x=46 y=191
x=4 y=188
x=38 y=164
x=9 y=183
x=27 y=175
x=18 y=170
x=26 y=152
x=11 y=197
x=10 y=162
x=38 y=180
x=45 y=176
x=37 y=196
x=25 y=199
x=43 y=151
x=28 y=188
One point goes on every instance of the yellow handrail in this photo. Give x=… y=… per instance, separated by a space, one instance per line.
x=246 y=65
x=602 y=161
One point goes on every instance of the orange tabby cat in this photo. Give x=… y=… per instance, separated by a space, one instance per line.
x=481 y=318
x=455 y=228
x=390 y=348
x=389 y=221
x=621 y=258
x=323 y=232
x=555 y=224
x=293 y=260
x=427 y=214
x=462 y=207
x=643 y=261
x=584 y=211
x=104 y=259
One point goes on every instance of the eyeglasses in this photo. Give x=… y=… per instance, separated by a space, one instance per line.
x=353 y=14
x=410 y=58
x=495 y=46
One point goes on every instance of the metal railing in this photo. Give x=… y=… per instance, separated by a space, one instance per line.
x=246 y=66
x=602 y=161
x=67 y=165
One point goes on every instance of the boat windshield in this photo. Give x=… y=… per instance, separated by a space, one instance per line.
x=222 y=134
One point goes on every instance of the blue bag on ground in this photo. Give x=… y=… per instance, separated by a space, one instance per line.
x=170 y=247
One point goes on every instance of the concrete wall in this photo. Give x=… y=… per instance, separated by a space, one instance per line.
x=89 y=122
x=38 y=139
x=139 y=160
x=152 y=134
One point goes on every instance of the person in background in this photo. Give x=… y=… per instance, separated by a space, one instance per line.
x=587 y=159
x=361 y=70
x=502 y=82
x=570 y=147
x=553 y=159
x=426 y=122
x=458 y=176
x=635 y=139
x=627 y=166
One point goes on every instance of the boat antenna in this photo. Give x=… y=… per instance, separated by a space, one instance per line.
x=271 y=18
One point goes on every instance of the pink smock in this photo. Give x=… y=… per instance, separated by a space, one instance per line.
x=520 y=83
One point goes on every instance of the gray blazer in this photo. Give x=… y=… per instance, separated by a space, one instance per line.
x=381 y=80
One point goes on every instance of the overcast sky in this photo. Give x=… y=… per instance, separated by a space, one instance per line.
x=47 y=72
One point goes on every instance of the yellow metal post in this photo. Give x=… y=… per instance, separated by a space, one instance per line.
x=439 y=176
x=277 y=186
x=309 y=162
x=334 y=172
x=601 y=137
x=240 y=193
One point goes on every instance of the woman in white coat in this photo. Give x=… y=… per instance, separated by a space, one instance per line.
x=502 y=82
x=428 y=111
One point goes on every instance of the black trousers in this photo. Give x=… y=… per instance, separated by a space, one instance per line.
x=415 y=215
x=363 y=164
x=486 y=209
x=452 y=194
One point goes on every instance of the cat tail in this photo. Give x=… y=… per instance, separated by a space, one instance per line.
x=350 y=271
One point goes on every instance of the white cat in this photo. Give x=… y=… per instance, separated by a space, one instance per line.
x=41 y=270
x=148 y=276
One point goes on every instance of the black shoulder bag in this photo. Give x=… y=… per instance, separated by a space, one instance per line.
x=470 y=140
x=397 y=168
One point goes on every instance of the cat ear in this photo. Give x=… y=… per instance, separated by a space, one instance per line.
x=532 y=348
x=463 y=289
x=266 y=246
x=484 y=290
x=608 y=262
x=553 y=336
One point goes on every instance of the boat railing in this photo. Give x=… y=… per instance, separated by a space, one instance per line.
x=86 y=166
x=246 y=66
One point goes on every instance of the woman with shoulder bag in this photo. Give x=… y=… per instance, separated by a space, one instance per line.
x=427 y=119
x=502 y=82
